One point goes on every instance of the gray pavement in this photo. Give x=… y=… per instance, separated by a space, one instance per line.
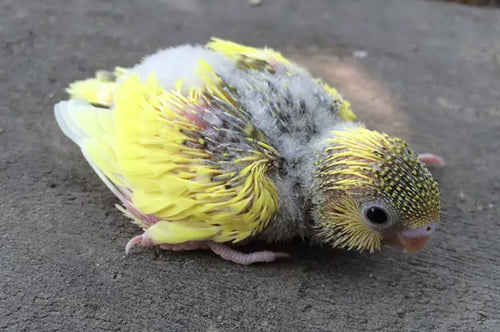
x=431 y=75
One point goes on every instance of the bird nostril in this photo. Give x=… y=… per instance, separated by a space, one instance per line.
x=423 y=231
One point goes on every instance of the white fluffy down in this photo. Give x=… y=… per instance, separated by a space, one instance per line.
x=172 y=64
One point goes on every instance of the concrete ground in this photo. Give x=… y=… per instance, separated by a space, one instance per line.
x=426 y=71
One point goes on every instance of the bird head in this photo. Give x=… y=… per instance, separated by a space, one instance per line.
x=374 y=191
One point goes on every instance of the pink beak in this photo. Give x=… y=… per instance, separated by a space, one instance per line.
x=415 y=239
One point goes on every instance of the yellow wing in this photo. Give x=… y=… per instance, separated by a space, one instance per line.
x=193 y=162
x=99 y=90
x=247 y=58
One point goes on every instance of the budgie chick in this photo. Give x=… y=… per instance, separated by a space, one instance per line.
x=208 y=146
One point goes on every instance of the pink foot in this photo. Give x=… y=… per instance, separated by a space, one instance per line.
x=245 y=259
x=145 y=241
x=220 y=249
x=430 y=159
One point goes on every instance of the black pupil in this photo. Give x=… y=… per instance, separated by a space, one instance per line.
x=376 y=215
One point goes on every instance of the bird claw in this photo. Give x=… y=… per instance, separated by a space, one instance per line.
x=143 y=239
x=133 y=241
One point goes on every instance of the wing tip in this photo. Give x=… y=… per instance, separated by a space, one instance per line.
x=64 y=112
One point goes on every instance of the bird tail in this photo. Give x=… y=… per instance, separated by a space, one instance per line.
x=92 y=129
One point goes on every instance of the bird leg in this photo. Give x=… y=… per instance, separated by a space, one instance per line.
x=223 y=250
x=430 y=159
x=235 y=256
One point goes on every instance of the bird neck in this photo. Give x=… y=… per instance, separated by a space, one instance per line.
x=296 y=189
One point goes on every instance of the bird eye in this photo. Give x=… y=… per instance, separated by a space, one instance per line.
x=376 y=215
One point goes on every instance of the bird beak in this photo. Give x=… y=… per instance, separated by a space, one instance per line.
x=413 y=245
x=415 y=239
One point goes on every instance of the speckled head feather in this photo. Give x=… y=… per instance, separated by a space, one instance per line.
x=363 y=168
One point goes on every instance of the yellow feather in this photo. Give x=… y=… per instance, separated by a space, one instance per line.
x=345 y=113
x=347 y=231
x=236 y=51
x=98 y=90
x=171 y=180
x=179 y=232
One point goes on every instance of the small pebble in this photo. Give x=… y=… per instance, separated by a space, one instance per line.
x=255 y=2
x=360 y=54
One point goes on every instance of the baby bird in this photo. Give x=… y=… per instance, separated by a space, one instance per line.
x=210 y=146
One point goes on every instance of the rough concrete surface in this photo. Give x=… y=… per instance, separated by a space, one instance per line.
x=431 y=75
